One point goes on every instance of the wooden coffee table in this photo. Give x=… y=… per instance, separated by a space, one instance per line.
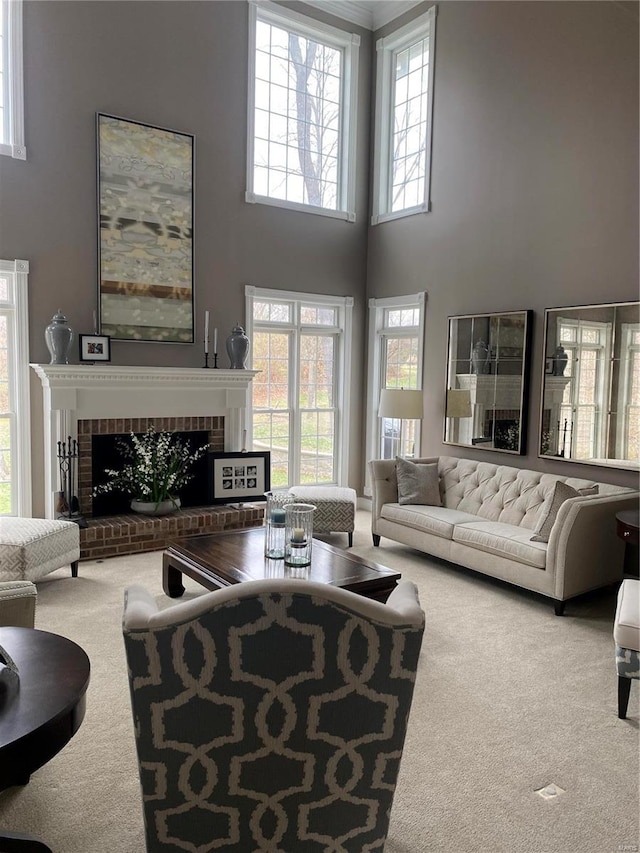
x=218 y=560
x=44 y=714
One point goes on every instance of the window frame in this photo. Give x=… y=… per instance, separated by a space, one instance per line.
x=343 y=332
x=377 y=336
x=16 y=311
x=343 y=40
x=422 y=27
x=12 y=136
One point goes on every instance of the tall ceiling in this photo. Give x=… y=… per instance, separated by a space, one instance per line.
x=371 y=14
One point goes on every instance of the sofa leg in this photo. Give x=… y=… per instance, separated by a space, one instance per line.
x=350 y=535
x=74 y=569
x=376 y=540
x=624 y=689
x=559 y=608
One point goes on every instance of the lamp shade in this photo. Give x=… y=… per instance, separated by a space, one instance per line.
x=401 y=403
x=458 y=403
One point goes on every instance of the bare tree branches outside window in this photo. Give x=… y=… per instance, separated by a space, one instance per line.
x=298 y=97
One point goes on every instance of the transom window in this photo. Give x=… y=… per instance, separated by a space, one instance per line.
x=404 y=109
x=300 y=345
x=11 y=84
x=302 y=88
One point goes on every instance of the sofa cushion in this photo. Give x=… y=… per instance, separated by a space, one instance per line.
x=417 y=483
x=561 y=493
x=437 y=520
x=504 y=540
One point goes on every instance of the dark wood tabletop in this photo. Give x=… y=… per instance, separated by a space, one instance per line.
x=47 y=710
x=220 y=559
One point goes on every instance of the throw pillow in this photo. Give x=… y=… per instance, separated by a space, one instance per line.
x=417 y=482
x=561 y=493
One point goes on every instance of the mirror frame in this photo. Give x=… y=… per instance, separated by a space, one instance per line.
x=527 y=315
x=547 y=362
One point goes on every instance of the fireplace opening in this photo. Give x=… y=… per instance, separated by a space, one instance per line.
x=105 y=453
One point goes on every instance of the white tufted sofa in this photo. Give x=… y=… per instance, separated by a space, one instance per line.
x=488 y=515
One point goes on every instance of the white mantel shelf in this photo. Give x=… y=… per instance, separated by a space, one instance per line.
x=74 y=392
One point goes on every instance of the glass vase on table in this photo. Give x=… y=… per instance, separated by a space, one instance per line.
x=274 y=524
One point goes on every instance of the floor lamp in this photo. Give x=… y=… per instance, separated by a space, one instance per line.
x=400 y=404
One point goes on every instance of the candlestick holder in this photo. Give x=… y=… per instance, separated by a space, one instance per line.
x=215 y=360
x=298 y=535
x=274 y=524
x=206 y=360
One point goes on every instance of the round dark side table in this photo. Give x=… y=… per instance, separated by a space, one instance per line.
x=627 y=523
x=43 y=715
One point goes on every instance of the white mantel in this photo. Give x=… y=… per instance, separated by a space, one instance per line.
x=74 y=392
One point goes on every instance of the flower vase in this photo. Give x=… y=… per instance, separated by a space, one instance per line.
x=155 y=507
x=58 y=336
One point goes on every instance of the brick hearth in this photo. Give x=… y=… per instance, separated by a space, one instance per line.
x=114 y=535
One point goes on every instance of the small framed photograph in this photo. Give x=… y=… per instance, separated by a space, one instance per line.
x=548 y=365
x=239 y=477
x=95 y=348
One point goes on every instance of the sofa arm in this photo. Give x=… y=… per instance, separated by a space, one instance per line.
x=384 y=487
x=584 y=551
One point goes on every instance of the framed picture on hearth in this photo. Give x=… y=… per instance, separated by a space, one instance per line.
x=239 y=477
x=145 y=231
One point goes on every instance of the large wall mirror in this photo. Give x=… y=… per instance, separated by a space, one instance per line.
x=487 y=363
x=590 y=408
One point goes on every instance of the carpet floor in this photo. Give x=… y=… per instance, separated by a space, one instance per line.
x=509 y=699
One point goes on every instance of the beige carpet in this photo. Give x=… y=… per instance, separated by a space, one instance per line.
x=509 y=699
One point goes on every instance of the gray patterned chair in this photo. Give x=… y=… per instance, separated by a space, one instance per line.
x=271 y=715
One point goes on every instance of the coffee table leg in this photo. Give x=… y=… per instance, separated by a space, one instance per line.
x=171 y=580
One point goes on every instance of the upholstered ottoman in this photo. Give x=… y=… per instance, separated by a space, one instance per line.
x=626 y=633
x=30 y=548
x=18 y=604
x=335 y=508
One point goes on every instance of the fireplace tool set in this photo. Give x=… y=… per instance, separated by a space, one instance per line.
x=67 y=505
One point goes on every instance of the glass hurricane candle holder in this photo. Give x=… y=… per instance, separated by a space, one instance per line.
x=274 y=524
x=298 y=535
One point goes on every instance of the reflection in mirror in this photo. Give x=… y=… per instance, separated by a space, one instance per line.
x=486 y=378
x=591 y=390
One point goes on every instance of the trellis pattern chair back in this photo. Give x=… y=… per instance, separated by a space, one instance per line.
x=271 y=716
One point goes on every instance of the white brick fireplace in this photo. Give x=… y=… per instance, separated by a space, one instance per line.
x=72 y=393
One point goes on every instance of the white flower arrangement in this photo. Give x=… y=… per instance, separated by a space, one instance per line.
x=156 y=466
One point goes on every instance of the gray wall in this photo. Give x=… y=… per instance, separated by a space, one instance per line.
x=535 y=176
x=534 y=183
x=179 y=65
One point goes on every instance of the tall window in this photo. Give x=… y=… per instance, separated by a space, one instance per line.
x=301 y=345
x=15 y=433
x=11 y=91
x=302 y=101
x=583 y=413
x=396 y=337
x=404 y=110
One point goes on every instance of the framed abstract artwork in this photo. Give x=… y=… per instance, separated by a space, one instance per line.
x=239 y=477
x=145 y=231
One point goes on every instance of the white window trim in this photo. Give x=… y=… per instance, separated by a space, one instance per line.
x=377 y=308
x=14 y=86
x=627 y=347
x=343 y=357
x=350 y=43
x=19 y=379
x=423 y=26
